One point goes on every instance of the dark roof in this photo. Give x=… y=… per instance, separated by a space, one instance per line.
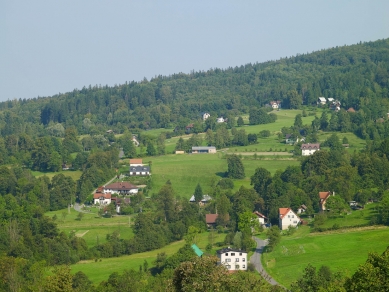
x=310 y=146
x=228 y=249
x=139 y=168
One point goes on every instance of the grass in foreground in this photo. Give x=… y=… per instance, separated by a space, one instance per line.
x=100 y=270
x=91 y=227
x=342 y=251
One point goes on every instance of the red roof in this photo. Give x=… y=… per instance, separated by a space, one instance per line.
x=99 y=195
x=120 y=186
x=283 y=211
x=324 y=195
x=136 y=161
x=211 y=218
x=351 y=110
x=260 y=215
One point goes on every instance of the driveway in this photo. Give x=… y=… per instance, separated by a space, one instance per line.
x=256 y=260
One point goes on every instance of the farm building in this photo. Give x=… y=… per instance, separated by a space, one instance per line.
x=203 y=149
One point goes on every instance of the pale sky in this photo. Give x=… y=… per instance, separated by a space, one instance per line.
x=56 y=46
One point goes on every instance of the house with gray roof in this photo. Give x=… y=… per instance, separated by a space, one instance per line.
x=203 y=149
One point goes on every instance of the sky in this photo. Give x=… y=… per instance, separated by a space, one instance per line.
x=50 y=47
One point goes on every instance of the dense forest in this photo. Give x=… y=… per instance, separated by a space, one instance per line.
x=355 y=75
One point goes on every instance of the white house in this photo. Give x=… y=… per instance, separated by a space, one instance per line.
x=122 y=188
x=220 y=120
x=233 y=259
x=309 y=149
x=139 y=170
x=275 y=104
x=204 y=200
x=261 y=218
x=287 y=218
x=330 y=99
x=206 y=116
x=101 y=198
x=321 y=100
x=302 y=209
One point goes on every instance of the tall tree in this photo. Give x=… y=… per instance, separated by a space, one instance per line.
x=198 y=194
x=235 y=167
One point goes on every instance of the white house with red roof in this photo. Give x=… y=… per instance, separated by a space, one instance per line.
x=287 y=218
x=323 y=196
x=101 y=198
x=275 y=104
x=261 y=218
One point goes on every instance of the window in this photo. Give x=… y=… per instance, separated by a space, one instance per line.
x=226 y=253
x=236 y=266
x=232 y=254
x=292 y=216
x=244 y=266
x=237 y=260
x=288 y=216
x=243 y=260
x=240 y=253
x=228 y=267
x=228 y=260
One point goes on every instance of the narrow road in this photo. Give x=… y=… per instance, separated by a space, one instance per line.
x=256 y=260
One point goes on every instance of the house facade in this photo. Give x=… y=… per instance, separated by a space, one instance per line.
x=302 y=209
x=135 y=140
x=220 y=120
x=287 y=218
x=203 y=149
x=122 y=188
x=309 y=149
x=139 y=170
x=323 y=196
x=232 y=259
x=102 y=198
x=206 y=116
x=321 y=100
x=275 y=104
x=261 y=218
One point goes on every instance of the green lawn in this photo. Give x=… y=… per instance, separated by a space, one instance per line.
x=356 y=217
x=100 y=270
x=92 y=227
x=342 y=251
x=185 y=171
x=74 y=174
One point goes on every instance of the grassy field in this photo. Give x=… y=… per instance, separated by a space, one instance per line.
x=356 y=217
x=342 y=251
x=187 y=170
x=100 y=270
x=92 y=227
x=74 y=174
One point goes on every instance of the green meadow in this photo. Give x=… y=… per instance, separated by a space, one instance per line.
x=74 y=174
x=98 y=271
x=341 y=250
x=91 y=227
x=185 y=171
x=353 y=218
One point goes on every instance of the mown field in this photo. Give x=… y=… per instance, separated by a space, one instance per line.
x=91 y=227
x=74 y=174
x=341 y=250
x=185 y=171
x=98 y=271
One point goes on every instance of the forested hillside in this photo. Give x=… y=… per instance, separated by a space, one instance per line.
x=356 y=75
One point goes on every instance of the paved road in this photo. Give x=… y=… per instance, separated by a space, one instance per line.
x=256 y=260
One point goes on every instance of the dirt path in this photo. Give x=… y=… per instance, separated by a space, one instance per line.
x=82 y=234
